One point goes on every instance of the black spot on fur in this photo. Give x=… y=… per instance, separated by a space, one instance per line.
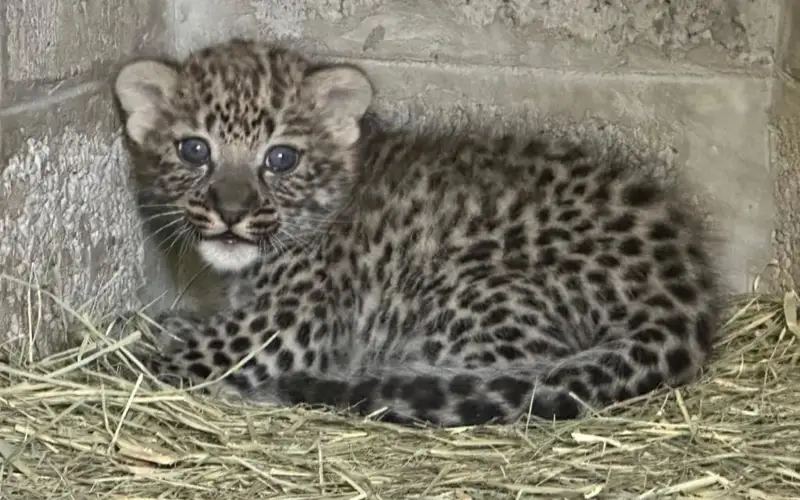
x=241 y=344
x=553 y=235
x=623 y=223
x=275 y=343
x=643 y=355
x=423 y=393
x=362 y=393
x=221 y=360
x=649 y=383
x=431 y=350
x=285 y=360
x=231 y=328
x=508 y=334
x=607 y=260
x=665 y=252
x=561 y=407
x=193 y=355
x=258 y=324
x=580 y=389
x=285 y=319
x=476 y=412
x=641 y=194
x=678 y=361
x=649 y=336
x=704 y=330
x=676 y=324
x=514 y=391
x=200 y=370
x=684 y=293
x=459 y=327
x=598 y=376
x=308 y=358
x=631 y=246
x=495 y=317
x=463 y=385
x=638 y=319
x=509 y=352
x=391 y=387
x=618 y=365
x=303 y=336
x=661 y=231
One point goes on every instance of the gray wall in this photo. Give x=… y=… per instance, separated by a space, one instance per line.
x=707 y=84
x=692 y=79
x=785 y=152
x=66 y=222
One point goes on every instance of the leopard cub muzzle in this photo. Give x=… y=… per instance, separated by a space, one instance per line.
x=233 y=219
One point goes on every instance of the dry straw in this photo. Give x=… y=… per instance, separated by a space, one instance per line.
x=72 y=427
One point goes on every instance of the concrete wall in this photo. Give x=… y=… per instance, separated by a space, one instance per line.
x=65 y=213
x=708 y=85
x=786 y=157
x=693 y=79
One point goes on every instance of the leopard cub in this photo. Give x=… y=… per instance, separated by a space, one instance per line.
x=448 y=278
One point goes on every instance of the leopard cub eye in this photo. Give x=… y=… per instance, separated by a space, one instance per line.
x=194 y=151
x=281 y=159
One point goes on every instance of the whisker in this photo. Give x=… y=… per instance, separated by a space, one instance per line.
x=326 y=220
x=161 y=214
x=158 y=205
x=166 y=245
x=163 y=228
x=279 y=244
x=177 y=236
x=295 y=238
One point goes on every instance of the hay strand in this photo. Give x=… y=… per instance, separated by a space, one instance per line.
x=83 y=423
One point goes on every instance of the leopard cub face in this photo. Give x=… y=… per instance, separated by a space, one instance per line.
x=244 y=148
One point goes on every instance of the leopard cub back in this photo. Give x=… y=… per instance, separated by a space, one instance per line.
x=451 y=278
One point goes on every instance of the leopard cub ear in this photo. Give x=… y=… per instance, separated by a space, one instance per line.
x=144 y=88
x=341 y=95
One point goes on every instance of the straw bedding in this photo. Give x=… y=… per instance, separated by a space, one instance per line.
x=72 y=426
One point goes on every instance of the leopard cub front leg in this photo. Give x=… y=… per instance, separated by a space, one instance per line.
x=287 y=327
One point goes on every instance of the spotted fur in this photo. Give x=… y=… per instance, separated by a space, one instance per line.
x=454 y=279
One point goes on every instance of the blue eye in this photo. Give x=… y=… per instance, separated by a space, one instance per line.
x=194 y=151
x=281 y=159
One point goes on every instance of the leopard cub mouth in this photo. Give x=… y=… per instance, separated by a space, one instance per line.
x=230 y=238
x=227 y=251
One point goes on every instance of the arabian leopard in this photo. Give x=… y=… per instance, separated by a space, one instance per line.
x=450 y=278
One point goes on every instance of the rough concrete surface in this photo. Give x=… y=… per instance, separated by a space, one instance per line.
x=59 y=38
x=67 y=216
x=790 y=38
x=601 y=35
x=54 y=44
x=786 y=237
x=786 y=160
x=65 y=213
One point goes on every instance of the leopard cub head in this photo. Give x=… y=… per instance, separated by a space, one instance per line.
x=243 y=147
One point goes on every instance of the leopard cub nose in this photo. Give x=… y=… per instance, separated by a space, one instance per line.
x=231 y=215
x=232 y=205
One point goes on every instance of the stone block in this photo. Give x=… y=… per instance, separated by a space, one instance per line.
x=790 y=39
x=785 y=159
x=52 y=44
x=686 y=35
x=66 y=217
x=786 y=163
